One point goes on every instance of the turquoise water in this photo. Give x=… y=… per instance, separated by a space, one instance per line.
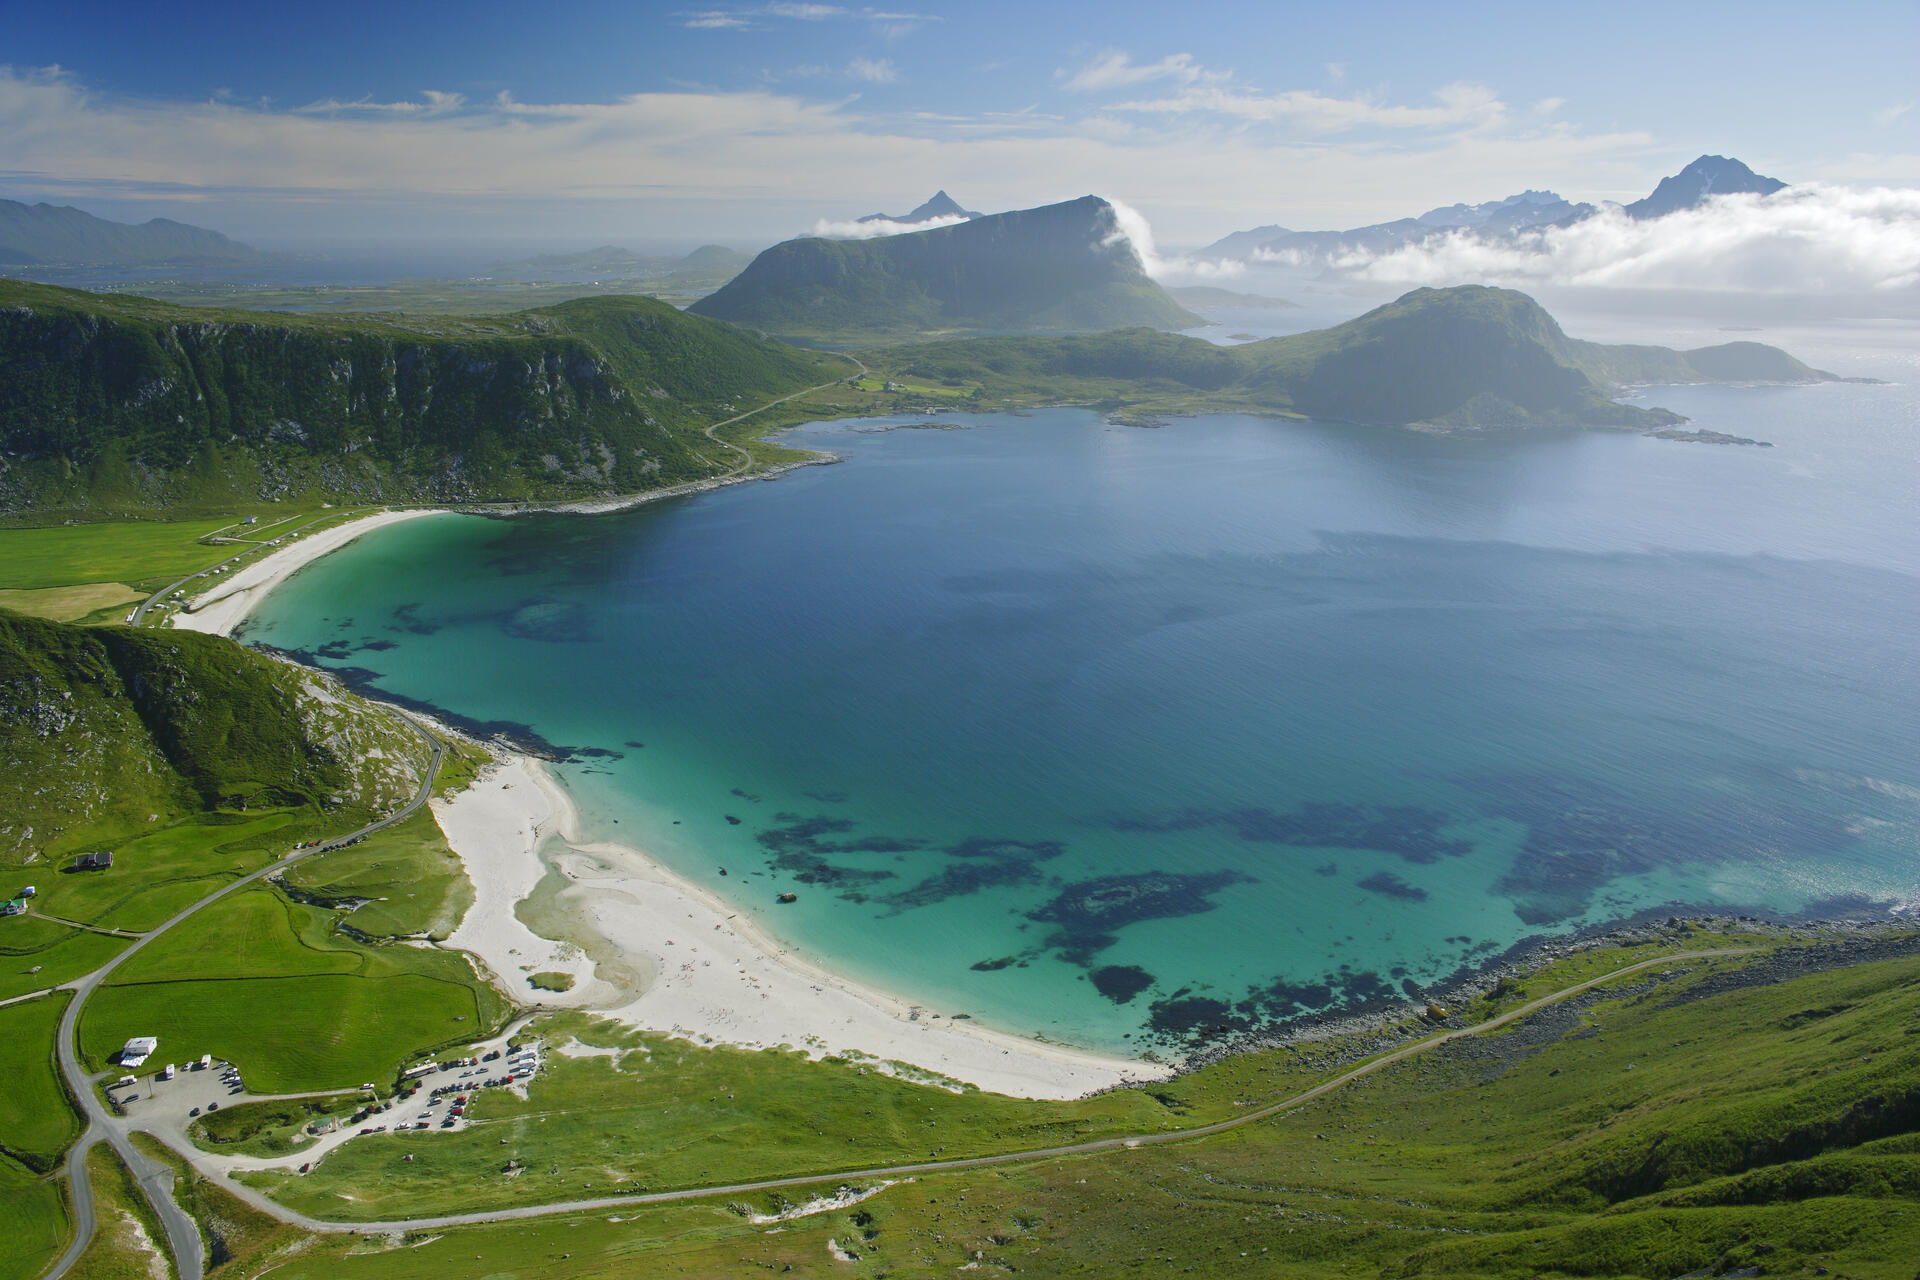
x=1116 y=735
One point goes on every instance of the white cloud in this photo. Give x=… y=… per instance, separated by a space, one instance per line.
x=873 y=70
x=805 y=12
x=1116 y=70
x=1886 y=117
x=1805 y=239
x=715 y=19
x=1470 y=105
x=693 y=161
x=1133 y=228
x=433 y=102
x=878 y=228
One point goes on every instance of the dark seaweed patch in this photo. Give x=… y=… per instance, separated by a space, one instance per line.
x=1388 y=885
x=992 y=966
x=1582 y=835
x=826 y=797
x=599 y=753
x=1403 y=830
x=407 y=618
x=378 y=646
x=334 y=650
x=1195 y=1018
x=802 y=849
x=1089 y=911
x=1120 y=982
x=986 y=862
x=637 y=746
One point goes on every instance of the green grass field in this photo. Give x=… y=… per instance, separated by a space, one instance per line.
x=1769 y=1126
x=114 y=551
x=672 y=1114
x=36 y=1225
x=412 y=882
x=36 y=1119
x=264 y=983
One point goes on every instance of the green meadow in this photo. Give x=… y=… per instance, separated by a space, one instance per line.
x=36 y=1121
x=1701 y=1118
x=269 y=985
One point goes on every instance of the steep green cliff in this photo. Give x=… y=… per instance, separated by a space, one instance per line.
x=112 y=403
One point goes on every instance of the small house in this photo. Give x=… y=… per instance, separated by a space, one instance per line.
x=138 y=1050
x=93 y=861
x=13 y=907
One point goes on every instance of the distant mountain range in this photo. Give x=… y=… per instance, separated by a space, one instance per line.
x=1061 y=268
x=46 y=235
x=1491 y=220
x=941 y=205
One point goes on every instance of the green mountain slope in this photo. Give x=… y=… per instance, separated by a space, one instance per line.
x=1055 y=268
x=102 y=726
x=1466 y=358
x=112 y=403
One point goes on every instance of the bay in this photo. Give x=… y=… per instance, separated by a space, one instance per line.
x=1120 y=735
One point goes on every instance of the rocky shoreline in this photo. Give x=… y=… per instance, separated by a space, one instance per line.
x=1344 y=1038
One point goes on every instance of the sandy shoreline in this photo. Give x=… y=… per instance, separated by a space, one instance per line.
x=646 y=946
x=690 y=963
x=220 y=610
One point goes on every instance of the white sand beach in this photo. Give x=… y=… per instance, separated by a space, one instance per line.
x=227 y=605
x=687 y=962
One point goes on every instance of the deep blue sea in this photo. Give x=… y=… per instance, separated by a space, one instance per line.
x=1113 y=734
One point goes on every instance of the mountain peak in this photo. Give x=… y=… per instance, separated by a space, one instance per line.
x=1057 y=268
x=940 y=205
x=1707 y=176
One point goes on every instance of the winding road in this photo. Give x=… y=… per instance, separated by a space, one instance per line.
x=155 y=1178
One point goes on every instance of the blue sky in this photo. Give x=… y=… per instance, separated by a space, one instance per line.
x=578 y=122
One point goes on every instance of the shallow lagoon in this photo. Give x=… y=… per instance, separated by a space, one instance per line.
x=1108 y=734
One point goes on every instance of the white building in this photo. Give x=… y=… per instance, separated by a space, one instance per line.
x=138 y=1050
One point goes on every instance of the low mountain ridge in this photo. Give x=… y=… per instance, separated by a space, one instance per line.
x=1062 y=267
x=1462 y=359
x=60 y=235
x=116 y=403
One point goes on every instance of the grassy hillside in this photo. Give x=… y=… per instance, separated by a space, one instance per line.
x=1034 y=270
x=106 y=725
x=111 y=403
x=1464 y=359
x=1707 y=1115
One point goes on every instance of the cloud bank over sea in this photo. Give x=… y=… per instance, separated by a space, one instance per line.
x=1805 y=239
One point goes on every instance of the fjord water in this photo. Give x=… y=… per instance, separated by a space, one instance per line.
x=1108 y=734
